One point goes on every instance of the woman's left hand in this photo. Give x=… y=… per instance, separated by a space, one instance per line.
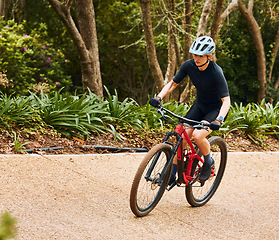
x=215 y=125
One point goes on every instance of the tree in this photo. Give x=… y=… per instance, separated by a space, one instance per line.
x=272 y=62
x=85 y=39
x=12 y=9
x=218 y=17
x=150 y=46
x=258 y=43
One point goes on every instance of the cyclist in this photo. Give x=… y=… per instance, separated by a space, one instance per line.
x=212 y=101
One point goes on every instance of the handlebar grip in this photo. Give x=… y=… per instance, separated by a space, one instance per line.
x=214 y=126
x=154 y=102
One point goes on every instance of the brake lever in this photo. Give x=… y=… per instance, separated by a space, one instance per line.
x=200 y=127
x=159 y=110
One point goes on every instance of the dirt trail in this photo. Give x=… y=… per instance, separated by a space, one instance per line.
x=87 y=197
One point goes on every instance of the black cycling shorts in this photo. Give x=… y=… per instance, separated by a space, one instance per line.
x=199 y=112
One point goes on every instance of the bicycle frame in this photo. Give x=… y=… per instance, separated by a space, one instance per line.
x=184 y=177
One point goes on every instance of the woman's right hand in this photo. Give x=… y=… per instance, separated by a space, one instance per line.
x=155 y=102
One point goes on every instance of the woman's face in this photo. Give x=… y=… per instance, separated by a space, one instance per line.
x=200 y=60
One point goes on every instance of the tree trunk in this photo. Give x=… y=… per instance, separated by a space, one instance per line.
x=150 y=46
x=171 y=43
x=187 y=25
x=87 y=26
x=272 y=62
x=2 y=12
x=85 y=41
x=171 y=49
x=273 y=55
x=233 y=4
x=217 y=20
x=258 y=42
x=204 y=18
x=276 y=85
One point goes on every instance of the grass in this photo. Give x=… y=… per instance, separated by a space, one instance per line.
x=18 y=146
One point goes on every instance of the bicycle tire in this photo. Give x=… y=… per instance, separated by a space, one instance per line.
x=145 y=194
x=198 y=194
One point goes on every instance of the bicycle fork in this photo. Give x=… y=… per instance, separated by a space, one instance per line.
x=170 y=160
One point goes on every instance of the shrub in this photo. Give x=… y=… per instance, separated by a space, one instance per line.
x=253 y=120
x=30 y=59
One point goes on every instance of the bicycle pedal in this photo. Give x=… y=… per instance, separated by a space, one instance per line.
x=202 y=183
x=171 y=186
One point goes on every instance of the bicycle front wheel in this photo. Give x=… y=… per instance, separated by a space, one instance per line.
x=149 y=183
x=200 y=193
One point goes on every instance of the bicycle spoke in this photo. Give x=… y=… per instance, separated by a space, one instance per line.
x=200 y=192
x=148 y=189
x=149 y=183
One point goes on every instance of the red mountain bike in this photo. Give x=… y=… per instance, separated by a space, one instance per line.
x=152 y=177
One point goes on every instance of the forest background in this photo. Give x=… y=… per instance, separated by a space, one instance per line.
x=37 y=48
x=121 y=53
x=51 y=52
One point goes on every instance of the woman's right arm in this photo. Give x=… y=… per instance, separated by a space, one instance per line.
x=167 y=89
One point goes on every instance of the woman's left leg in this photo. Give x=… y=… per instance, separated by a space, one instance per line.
x=200 y=139
x=204 y=147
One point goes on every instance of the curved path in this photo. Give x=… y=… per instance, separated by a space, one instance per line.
x=87 y=197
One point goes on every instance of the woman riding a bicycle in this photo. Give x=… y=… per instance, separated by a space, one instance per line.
x=212 y=102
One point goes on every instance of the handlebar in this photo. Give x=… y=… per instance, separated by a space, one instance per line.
x=199 y=125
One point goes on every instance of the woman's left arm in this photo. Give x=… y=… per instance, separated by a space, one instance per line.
x=225 y=106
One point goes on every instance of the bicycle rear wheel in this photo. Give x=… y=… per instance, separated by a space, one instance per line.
x=200 y=193
x=149 y=185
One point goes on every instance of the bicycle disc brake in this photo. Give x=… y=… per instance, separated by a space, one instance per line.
x=156 y=181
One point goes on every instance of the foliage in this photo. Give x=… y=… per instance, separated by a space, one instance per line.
x=69 y=114
x=81 y=115
x=123 y=113
x=38 y=12
x=7 y=227
x=30 y=59
x=18 y=146
x=253 y=120
x=237 y=56
x=122 y=51
x=16 y=111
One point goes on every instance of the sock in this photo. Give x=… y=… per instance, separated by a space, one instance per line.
x=173 y=174
x=174 y=170
x=207 y=159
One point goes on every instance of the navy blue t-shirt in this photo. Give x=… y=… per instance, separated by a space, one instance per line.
x=211 y=83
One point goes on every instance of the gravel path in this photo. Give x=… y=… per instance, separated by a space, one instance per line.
x=87 y=197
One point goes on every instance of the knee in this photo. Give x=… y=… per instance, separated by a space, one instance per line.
x=197 y=137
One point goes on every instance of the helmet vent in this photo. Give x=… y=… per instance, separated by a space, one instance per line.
x=211 y=49
x=204 y=47
x=194 y=45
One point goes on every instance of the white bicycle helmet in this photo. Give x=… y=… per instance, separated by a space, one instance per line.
x=202 y=46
